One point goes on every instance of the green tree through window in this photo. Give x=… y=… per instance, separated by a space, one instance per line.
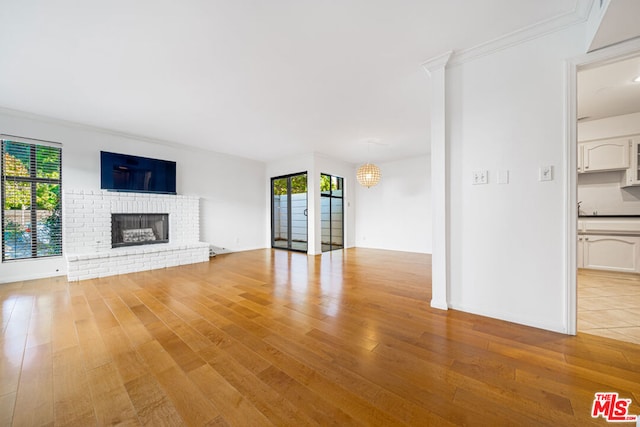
x=298 y=185
x=31 y=202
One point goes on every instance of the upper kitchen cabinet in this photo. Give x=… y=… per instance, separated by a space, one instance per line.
x=633 y=173
x=604 y=155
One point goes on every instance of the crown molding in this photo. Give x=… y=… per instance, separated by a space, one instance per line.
x=437 y=62
x=579 y=14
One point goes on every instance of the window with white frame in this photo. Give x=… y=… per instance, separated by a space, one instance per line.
x=31 y=198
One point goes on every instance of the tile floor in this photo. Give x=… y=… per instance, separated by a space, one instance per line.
x=609 y=304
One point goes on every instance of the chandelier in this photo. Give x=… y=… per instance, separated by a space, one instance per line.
x=368 y=175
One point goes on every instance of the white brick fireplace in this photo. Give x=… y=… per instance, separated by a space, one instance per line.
x=87 y=233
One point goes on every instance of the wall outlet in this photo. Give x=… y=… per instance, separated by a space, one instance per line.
x=479 y=177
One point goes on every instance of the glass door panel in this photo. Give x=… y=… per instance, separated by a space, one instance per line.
x=289 y=212
x=336 y=224
x=280 y=213
x=331 y=212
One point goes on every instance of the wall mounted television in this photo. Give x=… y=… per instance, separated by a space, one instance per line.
x=122 y=172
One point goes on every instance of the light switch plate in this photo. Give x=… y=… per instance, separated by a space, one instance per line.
x=503 y=177
x=480 y=177
x=545 y=173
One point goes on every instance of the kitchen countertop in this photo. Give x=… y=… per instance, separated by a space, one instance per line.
x=608 y=216
x=624 y=225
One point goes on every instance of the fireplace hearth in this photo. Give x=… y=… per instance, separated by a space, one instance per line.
x=139 y=229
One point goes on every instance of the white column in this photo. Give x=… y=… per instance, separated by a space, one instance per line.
x=313 y=202
x=439 y=182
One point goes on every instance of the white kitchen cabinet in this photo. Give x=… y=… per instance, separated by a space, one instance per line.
x=633 y=173
x=604 y=155
x=615 y=253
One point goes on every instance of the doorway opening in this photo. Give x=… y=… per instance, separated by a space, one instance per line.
x=289 y=212
x=608 y=197
x=332 y=212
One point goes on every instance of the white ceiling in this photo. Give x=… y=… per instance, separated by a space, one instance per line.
x=253 y=78
x=609 y=90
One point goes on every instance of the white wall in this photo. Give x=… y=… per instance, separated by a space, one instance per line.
x=505 y=112
x=232 y=199
x=601 y=191
x=396 y=213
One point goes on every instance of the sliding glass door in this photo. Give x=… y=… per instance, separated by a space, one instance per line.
x=289 y=212
x=331 y=212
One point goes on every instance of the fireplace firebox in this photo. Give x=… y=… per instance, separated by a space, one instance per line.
x=139 y=229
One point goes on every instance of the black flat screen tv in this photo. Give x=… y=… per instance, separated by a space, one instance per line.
x=121 y=172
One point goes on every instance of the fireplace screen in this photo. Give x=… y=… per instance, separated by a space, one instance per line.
x=139 y=229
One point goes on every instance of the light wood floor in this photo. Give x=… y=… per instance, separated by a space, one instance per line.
x=609 y=304
x=270 y=337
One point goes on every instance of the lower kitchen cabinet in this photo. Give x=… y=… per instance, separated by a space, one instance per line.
x=615 y=253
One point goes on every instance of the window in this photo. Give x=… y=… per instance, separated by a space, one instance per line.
x=31 y=202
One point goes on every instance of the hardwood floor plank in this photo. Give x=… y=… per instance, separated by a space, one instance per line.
x=477 y=378
x=581 y=399
x=40 y=331
x=156 y=358
x=18 y=323
x=235 y=409
x=72 y=400
x=7 y=403
x=111 y=401
x=34 y=401
x=131 y=325
x=81 y=309
x=93 y=348
x=101 y=313
x=268 y=401
x=129 y=363
x=493 y=414
x=179 y=326
x=63 y=331
x=565 y=371
x=153 y=406
x=335 y=393
x=178 y=350
x=7 y=302
x=189 y=401
x=243 y=354
x=256 y=298
x=13 y=348
x=310 y=403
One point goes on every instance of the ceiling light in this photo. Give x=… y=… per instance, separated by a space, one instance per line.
x=368 y=175
x=637 y=79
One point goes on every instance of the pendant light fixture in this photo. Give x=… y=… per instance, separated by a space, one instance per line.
x=368 y=174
